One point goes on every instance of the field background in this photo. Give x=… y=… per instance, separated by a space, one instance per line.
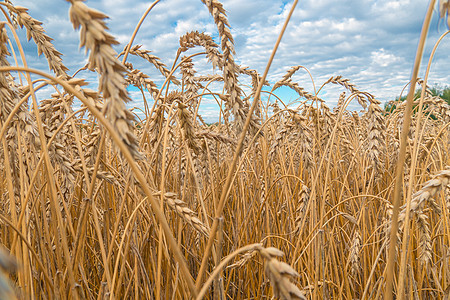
x=292 y=200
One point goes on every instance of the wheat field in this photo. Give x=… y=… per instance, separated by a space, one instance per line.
x=272 y=201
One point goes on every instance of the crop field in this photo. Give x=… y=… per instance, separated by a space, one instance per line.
x=274 y=201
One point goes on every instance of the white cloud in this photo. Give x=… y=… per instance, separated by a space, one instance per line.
x=383 y=58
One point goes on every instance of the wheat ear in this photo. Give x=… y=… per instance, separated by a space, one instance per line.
x=43 y=42
x=279 y=273
x=102 y=57
x=184 y=212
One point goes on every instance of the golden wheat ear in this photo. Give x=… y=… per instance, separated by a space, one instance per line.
x=235 y=104
x=444 y=10
x=43 y=42
x=102 y=58
x=279 y=274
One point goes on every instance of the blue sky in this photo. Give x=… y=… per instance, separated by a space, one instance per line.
x=372 y=43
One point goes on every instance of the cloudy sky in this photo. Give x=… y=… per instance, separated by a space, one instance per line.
x=372 y=43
